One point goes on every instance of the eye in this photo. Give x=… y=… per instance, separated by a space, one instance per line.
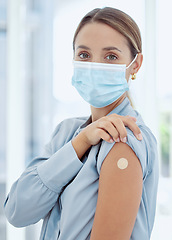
x=111 y=57
x=84 y=55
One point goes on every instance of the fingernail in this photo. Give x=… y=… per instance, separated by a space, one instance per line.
x=117 y=140
x=111 y=140
x=139 y=136
x=124 y=139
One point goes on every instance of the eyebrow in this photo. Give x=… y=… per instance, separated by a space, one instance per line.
x=104 y=49
x=111 y=48
x=84 y=47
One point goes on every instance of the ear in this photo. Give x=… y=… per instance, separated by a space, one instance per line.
x=137 y=64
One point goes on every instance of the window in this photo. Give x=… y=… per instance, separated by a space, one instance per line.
x=3 y=44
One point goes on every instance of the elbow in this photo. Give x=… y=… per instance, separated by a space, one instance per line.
x=14 y=221
x=13 y=216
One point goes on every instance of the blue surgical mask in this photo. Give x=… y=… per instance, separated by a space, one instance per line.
x=100 y=84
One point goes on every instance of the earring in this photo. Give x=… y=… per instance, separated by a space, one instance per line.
x=133 y=76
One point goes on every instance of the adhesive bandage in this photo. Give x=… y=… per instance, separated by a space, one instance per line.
x=122 y=163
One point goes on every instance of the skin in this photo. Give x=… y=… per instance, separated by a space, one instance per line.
x=90 y=46
x=97 y=42
x=119 y=190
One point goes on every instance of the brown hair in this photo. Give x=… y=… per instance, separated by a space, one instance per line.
x=118 y=20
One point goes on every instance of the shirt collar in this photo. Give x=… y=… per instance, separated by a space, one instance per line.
x=118 y=110
x=122 y=108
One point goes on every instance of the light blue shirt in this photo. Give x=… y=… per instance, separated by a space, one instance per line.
x=62 y=190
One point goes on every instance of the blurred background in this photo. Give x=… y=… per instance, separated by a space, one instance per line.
x=36 y=93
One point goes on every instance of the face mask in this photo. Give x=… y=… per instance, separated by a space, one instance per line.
x=100 y=84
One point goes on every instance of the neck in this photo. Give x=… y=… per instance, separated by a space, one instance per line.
x=97 y=113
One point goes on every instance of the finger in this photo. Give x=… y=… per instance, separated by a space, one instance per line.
x=120 y=127
x=104 y=135
x=108 y=127
x=133 y=118
x=128 y=122
x=114 y=125
x=114 y=115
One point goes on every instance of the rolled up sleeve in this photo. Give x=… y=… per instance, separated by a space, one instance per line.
x=56 y=173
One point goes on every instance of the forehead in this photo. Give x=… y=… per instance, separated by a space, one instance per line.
x=100 y=34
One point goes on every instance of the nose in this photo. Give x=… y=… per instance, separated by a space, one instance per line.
x=97 y=60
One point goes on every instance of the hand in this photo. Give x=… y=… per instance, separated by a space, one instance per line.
x=111 y=128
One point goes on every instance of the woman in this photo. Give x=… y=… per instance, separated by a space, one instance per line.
x=96 y=180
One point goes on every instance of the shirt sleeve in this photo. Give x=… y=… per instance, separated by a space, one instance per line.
x=35 y=193
x=139 y=147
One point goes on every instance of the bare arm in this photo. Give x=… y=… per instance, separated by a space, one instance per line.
x=119 y=195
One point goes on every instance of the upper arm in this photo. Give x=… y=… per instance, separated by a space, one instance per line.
x=119 y=195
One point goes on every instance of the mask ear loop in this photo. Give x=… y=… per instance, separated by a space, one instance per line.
x=132 y=61
x=129 y=81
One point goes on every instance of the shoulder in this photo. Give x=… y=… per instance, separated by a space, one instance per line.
x=145 y=150
x=121 y=157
